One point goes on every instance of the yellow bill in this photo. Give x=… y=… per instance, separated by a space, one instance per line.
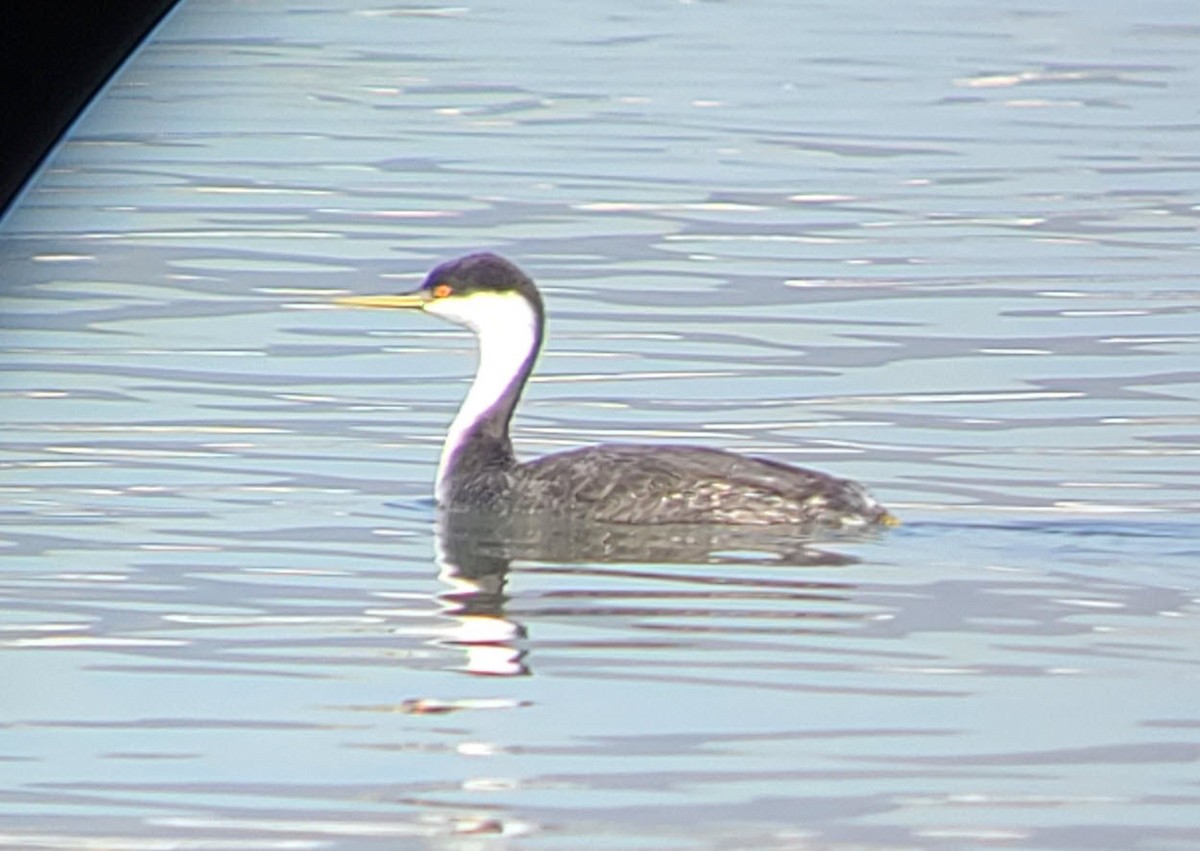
x=409 y=301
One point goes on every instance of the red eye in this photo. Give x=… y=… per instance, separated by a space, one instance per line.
x=442 y=290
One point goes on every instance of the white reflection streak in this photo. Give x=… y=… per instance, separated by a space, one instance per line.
x=985 y=396
x=92 y=641
x=485 y=639
x=627 y=376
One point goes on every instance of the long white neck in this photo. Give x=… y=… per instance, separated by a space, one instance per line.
x=509 y=332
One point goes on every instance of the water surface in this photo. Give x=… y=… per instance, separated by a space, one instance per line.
x=947 y=250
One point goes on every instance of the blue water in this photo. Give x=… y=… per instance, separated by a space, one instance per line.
x=948 y=250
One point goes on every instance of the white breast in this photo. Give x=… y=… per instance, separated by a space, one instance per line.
x=506 y=326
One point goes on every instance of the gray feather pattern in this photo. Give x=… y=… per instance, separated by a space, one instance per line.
x=632 y=483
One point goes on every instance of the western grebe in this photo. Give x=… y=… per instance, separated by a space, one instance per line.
x=619 y=483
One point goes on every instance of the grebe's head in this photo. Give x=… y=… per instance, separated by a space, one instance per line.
x=499 y=302
x=481 y=291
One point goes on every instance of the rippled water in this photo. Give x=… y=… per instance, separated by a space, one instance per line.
x=949 y=250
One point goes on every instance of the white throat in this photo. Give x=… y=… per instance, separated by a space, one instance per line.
x=506 y=326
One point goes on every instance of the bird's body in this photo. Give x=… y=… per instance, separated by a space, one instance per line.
x=618 y=483
x=637 y=483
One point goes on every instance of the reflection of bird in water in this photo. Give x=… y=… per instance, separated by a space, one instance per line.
x=489 y=542
x=475 y=552
x=626 y=484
